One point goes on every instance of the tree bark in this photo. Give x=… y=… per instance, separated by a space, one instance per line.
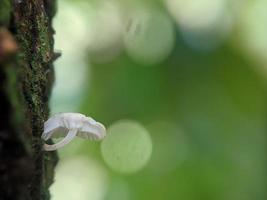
x=26 y=78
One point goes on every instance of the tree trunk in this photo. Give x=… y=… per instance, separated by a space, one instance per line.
x=26 y=77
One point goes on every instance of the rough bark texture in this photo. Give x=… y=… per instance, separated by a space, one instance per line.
x=26 y=77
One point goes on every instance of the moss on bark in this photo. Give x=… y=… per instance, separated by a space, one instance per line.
x=26 y=78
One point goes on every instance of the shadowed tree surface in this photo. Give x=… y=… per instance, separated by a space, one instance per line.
x=26 y=77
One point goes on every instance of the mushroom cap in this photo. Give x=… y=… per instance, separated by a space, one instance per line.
x=59 y=125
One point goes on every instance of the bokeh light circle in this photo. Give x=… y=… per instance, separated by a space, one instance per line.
x=104 y=28
x=204 y=24
x=149 y=36
x=127 y=147
x=251 y=33
x=80 y=178
x=68 y=91
x=196 y=15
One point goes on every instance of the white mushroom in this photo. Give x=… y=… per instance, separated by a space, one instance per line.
x=69 y=125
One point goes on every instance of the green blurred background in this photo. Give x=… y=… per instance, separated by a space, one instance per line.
x=191 y=73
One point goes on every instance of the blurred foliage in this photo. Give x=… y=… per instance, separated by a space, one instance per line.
x=204 y=104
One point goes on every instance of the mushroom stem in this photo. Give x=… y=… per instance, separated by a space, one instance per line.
x=71 y=134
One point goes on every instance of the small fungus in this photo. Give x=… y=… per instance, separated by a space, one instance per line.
x=69 y=125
